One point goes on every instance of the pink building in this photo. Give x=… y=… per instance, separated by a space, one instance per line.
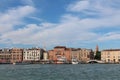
x=60 y=54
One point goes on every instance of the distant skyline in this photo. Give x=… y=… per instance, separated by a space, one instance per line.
x=71 y=23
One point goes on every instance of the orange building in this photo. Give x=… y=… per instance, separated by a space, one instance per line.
x=60 y=54
x=16 y=55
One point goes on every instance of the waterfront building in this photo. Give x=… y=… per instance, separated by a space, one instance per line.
x=110 y=56
x=45 y=56
x=16 y=55
x=82 y=54
x=86 y=55
x=60 y=54
x=33 y=54
x=75 y=54
x=5 y=55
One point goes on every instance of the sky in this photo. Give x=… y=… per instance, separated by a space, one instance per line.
x=70 y=23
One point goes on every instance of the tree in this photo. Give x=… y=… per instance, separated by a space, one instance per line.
x=98 y=55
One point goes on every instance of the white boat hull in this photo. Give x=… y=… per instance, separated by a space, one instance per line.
x=74 y=62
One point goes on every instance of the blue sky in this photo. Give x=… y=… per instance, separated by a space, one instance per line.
x=71 y=23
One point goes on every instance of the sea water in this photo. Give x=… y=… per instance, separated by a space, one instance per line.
x=60 y=72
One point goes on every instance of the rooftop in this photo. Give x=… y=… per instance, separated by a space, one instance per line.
x=60 y=47
x=111 y=50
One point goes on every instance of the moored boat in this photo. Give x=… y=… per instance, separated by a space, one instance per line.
x=21 y=63
x=74 y=61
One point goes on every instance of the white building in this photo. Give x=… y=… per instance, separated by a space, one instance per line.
x=45 y=56
x=33 y=54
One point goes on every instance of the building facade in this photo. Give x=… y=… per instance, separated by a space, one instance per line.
x=45 y=56
x=75 y=54
x=33 y=54
x=82 y=55
x=86 y=55
x=16 y=55
x=5 y=56
x=60 y=54
x=110 y=56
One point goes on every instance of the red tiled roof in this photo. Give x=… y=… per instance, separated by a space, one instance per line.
x=60 y=47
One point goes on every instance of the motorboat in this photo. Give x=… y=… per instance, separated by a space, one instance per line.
x=75 y=61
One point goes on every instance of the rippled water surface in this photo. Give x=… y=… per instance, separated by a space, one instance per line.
x=60 y=72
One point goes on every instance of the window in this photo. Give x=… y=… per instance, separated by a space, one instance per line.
x=118 y=60
x=119 y=57
x=114 y=60
x=81 y=55
x=108 y=53
x=108 y=60
x=84 y=54
x=58 y=53
x=113 y=56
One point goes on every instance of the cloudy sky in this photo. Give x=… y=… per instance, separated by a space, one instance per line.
x=71 y=23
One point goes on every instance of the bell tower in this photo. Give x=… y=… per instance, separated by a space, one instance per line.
x=97 y=48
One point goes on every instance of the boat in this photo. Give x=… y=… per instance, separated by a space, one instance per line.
x=21 y=63
x=14 y=63
x=74 y=61
x=61 y=60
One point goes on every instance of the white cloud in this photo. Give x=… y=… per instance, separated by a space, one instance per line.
x=30 y=34
x=36 y=18
x=110 y=36
x=79 y=6
x=95 y=7
x=21 y=35
x=13 y=17
x=66 y=31
x=71 y=27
